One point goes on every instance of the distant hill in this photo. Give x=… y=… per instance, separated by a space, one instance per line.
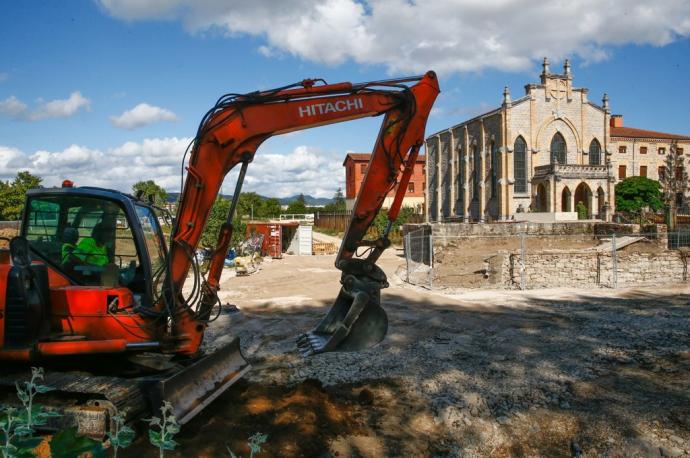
x=309 y=200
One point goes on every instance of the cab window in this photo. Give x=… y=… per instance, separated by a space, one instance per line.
x=87 y=238
x=154 y=244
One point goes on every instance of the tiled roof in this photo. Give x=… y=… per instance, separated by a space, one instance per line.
x=641 y=133
x=359 y=157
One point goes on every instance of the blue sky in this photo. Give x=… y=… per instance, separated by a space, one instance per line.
x=72 y=74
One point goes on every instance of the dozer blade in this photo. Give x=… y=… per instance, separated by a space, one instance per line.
x=355 y=322
x=198 y=384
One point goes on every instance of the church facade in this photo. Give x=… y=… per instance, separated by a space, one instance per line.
x=542 y=153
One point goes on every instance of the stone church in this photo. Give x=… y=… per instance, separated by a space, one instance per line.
x=535 y=158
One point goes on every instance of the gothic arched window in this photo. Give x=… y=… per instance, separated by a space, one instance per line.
x=559 y=152
x=594 y=153
x=520 y=165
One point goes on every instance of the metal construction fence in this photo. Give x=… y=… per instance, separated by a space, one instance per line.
x=532 y=261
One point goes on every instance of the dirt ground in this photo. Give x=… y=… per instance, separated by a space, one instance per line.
x=482 y=373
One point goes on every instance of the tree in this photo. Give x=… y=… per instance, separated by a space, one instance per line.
x=381 y=220
x=217 y=217
x=271 y=208
x=150 y=189
x=339 y=198
x=250 y=205
x=297 y=207
x=674 y=182
x=635 y=193
x=12 y=195
x=254 y=206
x=674 y=179
x=338 y=204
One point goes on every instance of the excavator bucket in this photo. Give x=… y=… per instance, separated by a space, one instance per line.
x=355 y=322
x=197 y=385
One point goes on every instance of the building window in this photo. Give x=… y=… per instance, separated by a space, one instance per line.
x=622 y=149
x=661 y=150
x=662 y=173
x=643 y=150
x=621 y=172
x=362 y=168
x=679 y=173
x=643 y=171
x=679 y=151
x=594 y=153
x=520 y=165
x=410 y=187
x=559 y=152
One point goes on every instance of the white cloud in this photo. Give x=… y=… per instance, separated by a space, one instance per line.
x=306 y=169
x=445 y=35
x=11 y=161
x=142 y=115
x=13 y=107
x=60 y=108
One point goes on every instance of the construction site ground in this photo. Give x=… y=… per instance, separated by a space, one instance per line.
x=473 y=373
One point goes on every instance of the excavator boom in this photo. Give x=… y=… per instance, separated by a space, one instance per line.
x=230 y=134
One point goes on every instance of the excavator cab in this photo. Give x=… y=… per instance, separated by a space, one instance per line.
x=97 y=238
x=85 y=277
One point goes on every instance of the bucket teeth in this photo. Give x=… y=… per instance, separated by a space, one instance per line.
x=309 y=344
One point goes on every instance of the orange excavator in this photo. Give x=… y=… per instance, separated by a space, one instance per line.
x=91 y=285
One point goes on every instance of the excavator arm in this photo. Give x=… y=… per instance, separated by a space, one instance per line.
x=230 y=134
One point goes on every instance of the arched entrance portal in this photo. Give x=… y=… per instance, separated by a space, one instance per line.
x=584 y=194
x=540 y=198
x=565 y=200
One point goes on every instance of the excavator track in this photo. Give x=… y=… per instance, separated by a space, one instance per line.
x=88 y=401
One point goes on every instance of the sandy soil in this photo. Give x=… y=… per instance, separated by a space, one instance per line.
x=483 y=373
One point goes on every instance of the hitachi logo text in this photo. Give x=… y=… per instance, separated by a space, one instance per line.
x=330 y=107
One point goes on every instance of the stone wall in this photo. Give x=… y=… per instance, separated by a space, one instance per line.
x=497 y=229
x=557 y=254
x=588 y=269
x=598 y=229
